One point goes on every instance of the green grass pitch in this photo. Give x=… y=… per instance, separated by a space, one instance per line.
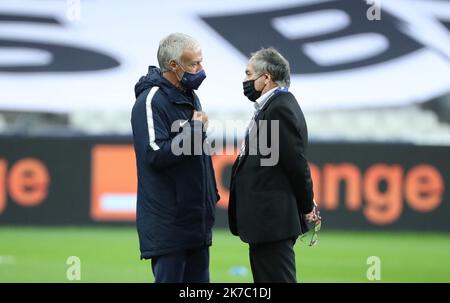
x=36 y=254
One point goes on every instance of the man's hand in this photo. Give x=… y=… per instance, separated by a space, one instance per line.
x=314 y=215
x=201 y=116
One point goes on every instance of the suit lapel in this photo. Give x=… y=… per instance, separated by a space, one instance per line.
x=251 y=135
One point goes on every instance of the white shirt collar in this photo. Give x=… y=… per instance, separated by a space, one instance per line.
x=259 y=103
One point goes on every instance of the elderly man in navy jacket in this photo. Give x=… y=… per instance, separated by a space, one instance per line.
x=177 y=192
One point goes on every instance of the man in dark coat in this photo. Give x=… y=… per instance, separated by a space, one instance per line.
x=271 y=191
x=177 y=192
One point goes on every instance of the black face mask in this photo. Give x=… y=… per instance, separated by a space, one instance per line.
x=249 y=89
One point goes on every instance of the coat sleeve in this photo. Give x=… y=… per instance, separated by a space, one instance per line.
x=292 y=154
x=152 y=136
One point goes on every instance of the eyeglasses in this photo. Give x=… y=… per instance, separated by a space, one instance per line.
x=314 y=239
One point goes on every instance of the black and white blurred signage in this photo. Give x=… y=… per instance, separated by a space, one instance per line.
x=63 y=56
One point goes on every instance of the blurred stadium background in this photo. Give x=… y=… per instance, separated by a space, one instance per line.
x=376 y=96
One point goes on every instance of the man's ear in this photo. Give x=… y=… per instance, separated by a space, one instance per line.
x=173 y=64
x=268 y=77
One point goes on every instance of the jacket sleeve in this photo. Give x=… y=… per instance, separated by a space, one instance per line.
x=215 y=182
x=158 y=139
x=292 y=155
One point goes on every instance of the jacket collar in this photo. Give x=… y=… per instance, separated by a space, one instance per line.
x=269 y=100
x=241 y=160
x=154 y=77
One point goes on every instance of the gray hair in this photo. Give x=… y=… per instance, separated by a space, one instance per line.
x=269 y=60
x=172 y=47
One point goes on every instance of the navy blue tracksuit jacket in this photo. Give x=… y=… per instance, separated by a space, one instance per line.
x=176 y=195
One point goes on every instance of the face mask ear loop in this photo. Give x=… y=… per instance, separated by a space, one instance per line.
x=258 y=78
x=176 y=74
